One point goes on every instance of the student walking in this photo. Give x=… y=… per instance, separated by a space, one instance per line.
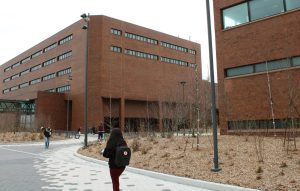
x=47 y=133
x=115 y=140
x=101 y=132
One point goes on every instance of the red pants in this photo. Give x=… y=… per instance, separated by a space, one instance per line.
x=115 y=174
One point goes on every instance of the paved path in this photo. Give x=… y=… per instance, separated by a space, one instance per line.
x=31 y=167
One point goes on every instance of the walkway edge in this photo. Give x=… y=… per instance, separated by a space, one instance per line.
x=171 y=178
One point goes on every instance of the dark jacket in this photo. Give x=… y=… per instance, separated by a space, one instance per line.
x=111 y=154
x=47 y=132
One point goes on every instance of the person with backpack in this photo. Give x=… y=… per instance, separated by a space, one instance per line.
x=47 y=133
x=119 y=155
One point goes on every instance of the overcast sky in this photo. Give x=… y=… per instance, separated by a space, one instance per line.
x=25 y=23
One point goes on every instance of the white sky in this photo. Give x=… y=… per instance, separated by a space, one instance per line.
x=25 y=23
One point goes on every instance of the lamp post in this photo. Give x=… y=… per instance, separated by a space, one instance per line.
x=68 y=105
x=86 y=18
x=213 y=96
x=183 y=83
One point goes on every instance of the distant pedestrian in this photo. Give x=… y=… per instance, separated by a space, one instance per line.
x=101 y=132
x=77 y=135
x=115 y=139
x=47 y=133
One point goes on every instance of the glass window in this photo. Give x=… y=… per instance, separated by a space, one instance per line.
x=296 y=61
x=239 y=71
x=278 y=64
x=235 y=15
x=264 y=8
x=292 y=4
x=260 y=67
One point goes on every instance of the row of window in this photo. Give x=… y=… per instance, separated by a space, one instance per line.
x=38 y=80
x=173 y=46
x=152 y=56
x=152 y=41
x=36 y=67
x=141 y=54
x=61 y=89
x=263 y=66
x=263 y=124
x=255 y=9
x=141 y=38
x=36 y=54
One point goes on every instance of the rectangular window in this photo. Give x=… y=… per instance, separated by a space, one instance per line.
x=235 y=15
x=63 y=88
x=292 y=4
x=16 y=64
x=296 y=61
x=141 y=54
x=7 y=79
x=25 y=60
x=34 y=68
x=24 y=72
x=239 y=71
x=173 y=61
x=66 y=39
x=116 y=49
x=48 y=77
x=65 y=55
x=64 y=72
x=261 y=67
x=14 y=88
x=264 y=8
x=278 y=64
x=191 y=51
x=141 y=38
x=52 y=90
x=24 y=85
x=115 y=32
x=15 y=76
x=173 y=46
x=37 y=54
x=6 y=91
x=48 y=62
x=50 y=47
x=7 y=69
x=35 y=81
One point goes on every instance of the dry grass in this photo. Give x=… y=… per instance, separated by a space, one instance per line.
x=237 y=158
x=17 y=137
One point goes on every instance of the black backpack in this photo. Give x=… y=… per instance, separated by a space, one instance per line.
x=123 y=154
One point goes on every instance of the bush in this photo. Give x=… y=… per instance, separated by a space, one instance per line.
x=259 y=170
x=135 y=145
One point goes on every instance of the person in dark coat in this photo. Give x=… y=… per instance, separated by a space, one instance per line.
x=115 y=139
x=47 y=133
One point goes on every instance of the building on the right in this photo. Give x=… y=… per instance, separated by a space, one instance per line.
x=258 y=57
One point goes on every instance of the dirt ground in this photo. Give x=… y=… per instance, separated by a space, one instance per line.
x=247 y=161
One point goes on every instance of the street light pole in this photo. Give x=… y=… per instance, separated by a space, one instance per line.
x=213 y=96
x=86 y=27
x=183 y=83
x=68 y=104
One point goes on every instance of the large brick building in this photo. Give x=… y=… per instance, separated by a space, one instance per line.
x=258 y=56
x=132 y=72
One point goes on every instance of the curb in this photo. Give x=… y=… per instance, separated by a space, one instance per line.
x=171 y=178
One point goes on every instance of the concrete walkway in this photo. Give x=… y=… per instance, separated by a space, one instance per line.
x=62 y=168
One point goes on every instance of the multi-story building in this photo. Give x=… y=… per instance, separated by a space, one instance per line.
x=258 y=56
x=132 y=71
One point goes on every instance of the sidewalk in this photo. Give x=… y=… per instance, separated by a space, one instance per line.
x=150 y=178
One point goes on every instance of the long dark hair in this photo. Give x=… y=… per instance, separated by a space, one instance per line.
x=115 y=138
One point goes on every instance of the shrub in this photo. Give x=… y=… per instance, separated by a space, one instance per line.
x=259 y=170
x=135 y=145
x=283 y=164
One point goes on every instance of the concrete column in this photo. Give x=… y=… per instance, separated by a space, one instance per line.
x=122 y=114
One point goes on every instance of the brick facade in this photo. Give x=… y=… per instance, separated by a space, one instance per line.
x=118 y=84
x=247 y=97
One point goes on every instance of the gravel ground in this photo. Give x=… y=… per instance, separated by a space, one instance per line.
x=247 y=161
